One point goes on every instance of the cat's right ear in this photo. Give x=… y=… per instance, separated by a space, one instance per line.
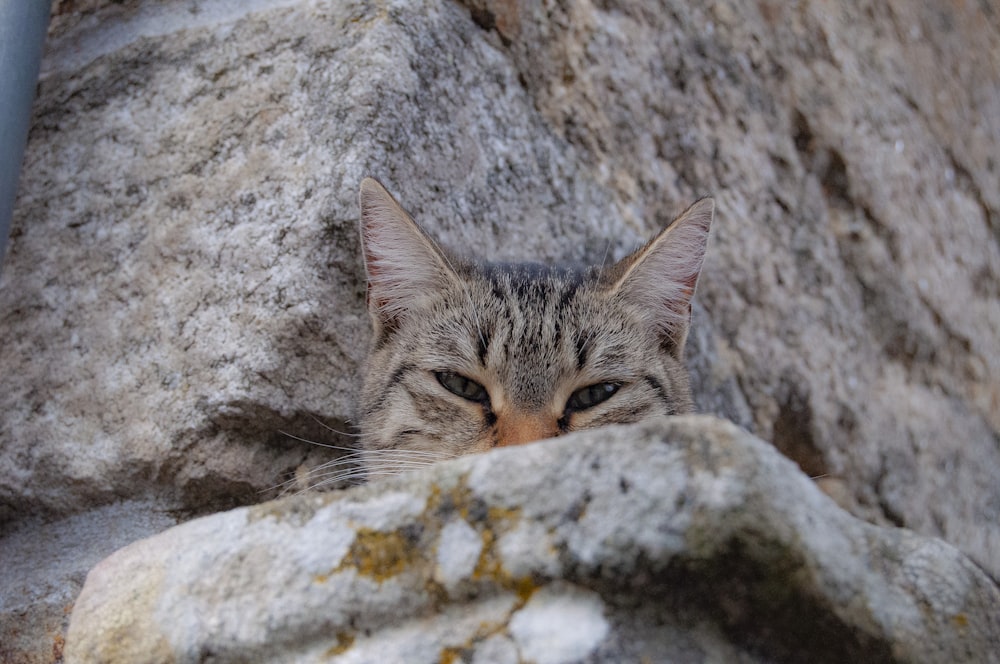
x=403 y=264
x=660 y=278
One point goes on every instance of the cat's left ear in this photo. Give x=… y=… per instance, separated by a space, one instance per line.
x=403 y=264
x=660 y=278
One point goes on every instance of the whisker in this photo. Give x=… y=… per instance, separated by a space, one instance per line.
x=356 y=451
x=338 y=478
x=329 y=469
x=287 y=484
x=366 y=475
x=336 y=431
x=363 y=474
x=354 y=466
x=400 y=467
x=356 y=459
x=313 y=442
x=351 y=467
x=381 y=468
x=280 y=485
x=406 y=452
x=607 y=250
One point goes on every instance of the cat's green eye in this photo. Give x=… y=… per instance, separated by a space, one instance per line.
x=590 y=396
x=461 y=386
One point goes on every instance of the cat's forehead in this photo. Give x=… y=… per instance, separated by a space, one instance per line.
x=531 y=271
x=533 y=277
x=533 y=288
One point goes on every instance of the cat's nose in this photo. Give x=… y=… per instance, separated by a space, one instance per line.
x=521 y=428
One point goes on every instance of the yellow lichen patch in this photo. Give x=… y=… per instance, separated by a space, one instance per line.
x=344 y=643
x=380 y=555
x=489 y=522
x=461 y=498
x=434 y=499
x=450 y=656
x=960 y=620
x=524 y=587
x=490 y=567
x=503 y=514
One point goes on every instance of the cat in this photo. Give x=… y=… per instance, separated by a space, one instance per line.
x=470 y=355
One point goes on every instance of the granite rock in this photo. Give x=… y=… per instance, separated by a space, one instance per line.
x=43 y=565
x=683 y=540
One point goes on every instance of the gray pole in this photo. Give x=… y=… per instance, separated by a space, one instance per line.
x=23 y=24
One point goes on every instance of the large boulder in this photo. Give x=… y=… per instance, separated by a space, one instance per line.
x=685 y=540
x=182 y=283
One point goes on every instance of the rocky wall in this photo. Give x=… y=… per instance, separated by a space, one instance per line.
x=182 y=282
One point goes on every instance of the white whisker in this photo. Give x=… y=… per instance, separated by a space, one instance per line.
x=336 y=431
x=313 y=442
x=399 y=465
x=406 y=452
x=607 y=250
x=329 y=469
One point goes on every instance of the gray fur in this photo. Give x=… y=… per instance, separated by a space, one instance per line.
x=530 y=334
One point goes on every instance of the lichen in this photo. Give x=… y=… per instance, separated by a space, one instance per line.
x=381 y=555
x=344 y=642
x=450 y=656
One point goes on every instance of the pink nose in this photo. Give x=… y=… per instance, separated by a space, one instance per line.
x=521 y=428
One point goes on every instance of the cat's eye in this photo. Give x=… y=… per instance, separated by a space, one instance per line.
x=590 y=396
x=461 y=386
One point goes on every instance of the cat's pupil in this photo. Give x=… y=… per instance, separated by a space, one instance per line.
x=590 y=396
x=461 y=386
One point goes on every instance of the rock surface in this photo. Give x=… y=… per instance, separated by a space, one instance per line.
x=676 y=541
x=43 y=565
x=182 y=282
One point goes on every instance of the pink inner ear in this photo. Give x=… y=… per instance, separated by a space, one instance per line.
x=663 y=280
x=402 y=263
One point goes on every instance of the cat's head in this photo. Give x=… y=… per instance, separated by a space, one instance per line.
x=470 y=355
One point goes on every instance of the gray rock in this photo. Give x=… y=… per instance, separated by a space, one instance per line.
x=182 y=283
x=682 y=540
x=43 y=566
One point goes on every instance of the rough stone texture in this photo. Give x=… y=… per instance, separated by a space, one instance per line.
x=182 y=281
x=678 y=541
x=43 y=566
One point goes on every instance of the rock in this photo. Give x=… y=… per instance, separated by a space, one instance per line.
x=182 y=283
x=679 y=540
x=43 y=566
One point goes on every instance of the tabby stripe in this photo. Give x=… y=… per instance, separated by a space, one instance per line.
x=622 y=415
x=484 y=345
x=658 y=388
x=394 y=379
x=398 y=374
x=566 y=297
x=581 y=352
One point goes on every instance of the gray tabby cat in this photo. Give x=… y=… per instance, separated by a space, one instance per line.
x=468 y=356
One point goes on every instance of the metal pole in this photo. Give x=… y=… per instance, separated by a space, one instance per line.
x=23 y=24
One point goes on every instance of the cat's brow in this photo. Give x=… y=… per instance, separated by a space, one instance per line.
x=465 y=289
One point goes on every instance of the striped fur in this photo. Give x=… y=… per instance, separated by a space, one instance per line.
x=531 y=335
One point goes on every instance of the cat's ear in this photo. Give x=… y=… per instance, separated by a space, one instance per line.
x=660 y=278
x=403 y=264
